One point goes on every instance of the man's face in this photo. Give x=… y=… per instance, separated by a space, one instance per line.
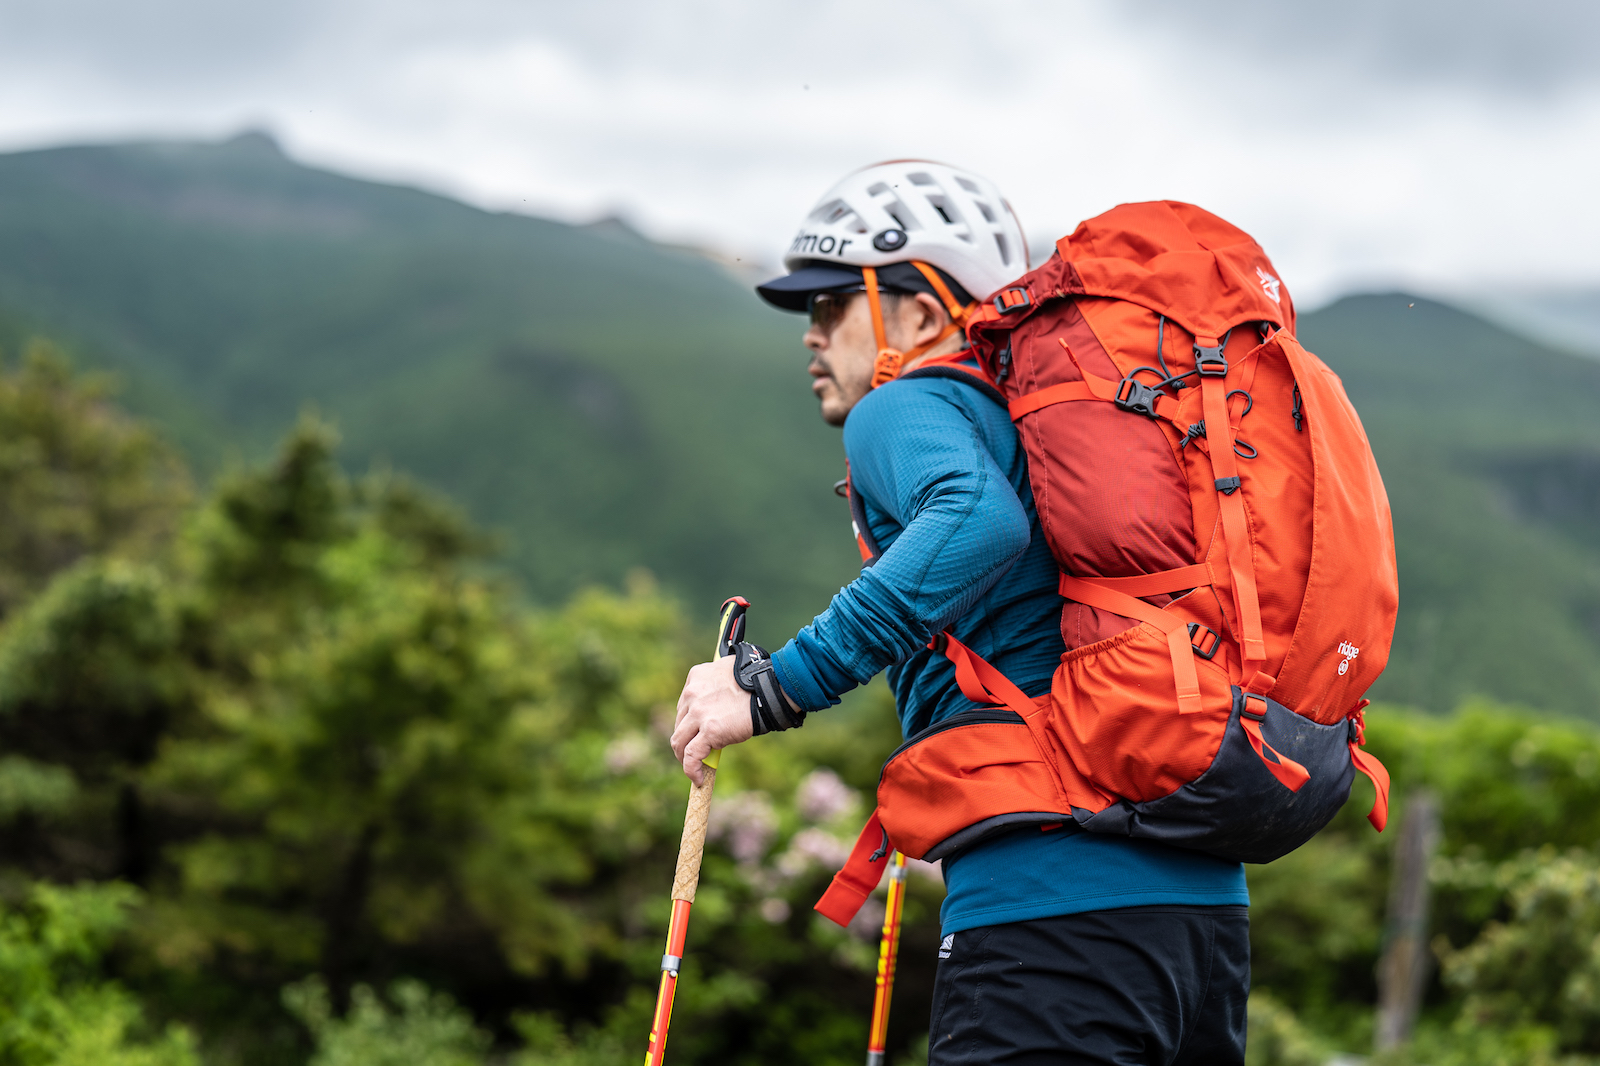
x=843 y=351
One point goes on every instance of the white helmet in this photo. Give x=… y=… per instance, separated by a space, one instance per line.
x=913 y=209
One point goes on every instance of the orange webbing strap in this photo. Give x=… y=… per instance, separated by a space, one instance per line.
x=1066 y=392
x=1091 y=387
x=980 y=682
x=1289 y=773
x=891 y=361
x=1183 y=577
x=887 y=366
x=1369 y=765
x=1235 y=526
x=1088 y=592
x=852 y=885
x=958 y=314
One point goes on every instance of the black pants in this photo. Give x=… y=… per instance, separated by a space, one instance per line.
x=1144 y=986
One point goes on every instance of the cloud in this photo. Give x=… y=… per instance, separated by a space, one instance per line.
x=1533 y=47
x=155 y=44
x=1364 y=144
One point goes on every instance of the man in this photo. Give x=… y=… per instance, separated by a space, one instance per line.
x=1058 y=946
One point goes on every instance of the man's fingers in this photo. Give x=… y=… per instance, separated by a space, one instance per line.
x=713 y=712
x=686 y=730
x=694 y=758
x=694 y=686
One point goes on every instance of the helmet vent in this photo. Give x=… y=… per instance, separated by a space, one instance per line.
x=919 y=178
x=902 y=218
x=1005 y=252
x=969 y=185
x=837 y=212
x=986 y=210
x=946 y=209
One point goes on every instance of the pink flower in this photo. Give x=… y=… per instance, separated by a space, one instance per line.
x=628 y=752
x=746 y=822
x=822 y=796
x=813 y=847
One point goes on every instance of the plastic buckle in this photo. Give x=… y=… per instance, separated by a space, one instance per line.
x=1137 y=397
x=1203 y=647
x=1009 y=300
x=940 y=642
x=1246 y=712
x=1210 y=362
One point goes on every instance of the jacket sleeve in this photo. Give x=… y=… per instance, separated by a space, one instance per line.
x=916 y=455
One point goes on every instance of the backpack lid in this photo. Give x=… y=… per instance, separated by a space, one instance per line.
x=1179 y=261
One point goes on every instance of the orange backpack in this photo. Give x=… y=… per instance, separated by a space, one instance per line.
x=1227 y=558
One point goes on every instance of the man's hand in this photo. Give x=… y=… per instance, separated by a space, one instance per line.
x=713 y=712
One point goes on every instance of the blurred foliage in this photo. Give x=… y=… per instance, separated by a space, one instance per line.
x=330 y=792
x=422 y=1028
x=328 y=745
x=1277 y=1038
x=54 y=1005
x=77 y=477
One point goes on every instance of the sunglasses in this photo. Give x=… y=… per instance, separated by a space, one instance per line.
x=828 y=308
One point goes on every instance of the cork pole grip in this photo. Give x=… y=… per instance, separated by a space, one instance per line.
x=693 y=847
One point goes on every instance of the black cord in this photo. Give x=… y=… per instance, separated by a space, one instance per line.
x=1161 y=327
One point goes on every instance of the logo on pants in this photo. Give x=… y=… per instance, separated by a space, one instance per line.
x=946 y=946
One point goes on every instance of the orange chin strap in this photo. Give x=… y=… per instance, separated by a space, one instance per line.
x=890 y=361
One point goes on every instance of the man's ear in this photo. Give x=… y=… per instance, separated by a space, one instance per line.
x=927 y=317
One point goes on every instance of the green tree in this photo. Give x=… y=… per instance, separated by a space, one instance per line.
x=77 y=476
x=422 y=1028
x=54 y=1006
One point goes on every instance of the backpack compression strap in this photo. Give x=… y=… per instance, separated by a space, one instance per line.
x=1213 y=367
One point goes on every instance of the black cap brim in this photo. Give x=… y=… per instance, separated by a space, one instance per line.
x=793 y=292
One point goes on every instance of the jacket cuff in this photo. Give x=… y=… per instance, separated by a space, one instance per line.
x=799 y=683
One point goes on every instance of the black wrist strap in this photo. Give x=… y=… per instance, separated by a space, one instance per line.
x=769 y=710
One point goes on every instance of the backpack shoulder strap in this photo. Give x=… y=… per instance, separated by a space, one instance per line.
x=957 y=366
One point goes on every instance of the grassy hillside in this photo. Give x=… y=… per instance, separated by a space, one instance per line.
x=608 y=403
x=1490 y=448
x=603 y=402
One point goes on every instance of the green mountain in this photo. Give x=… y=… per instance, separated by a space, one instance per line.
x=1490 y=450
x=607 y=403
x=603 y=402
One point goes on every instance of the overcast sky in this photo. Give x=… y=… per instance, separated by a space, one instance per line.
x=1446 y=146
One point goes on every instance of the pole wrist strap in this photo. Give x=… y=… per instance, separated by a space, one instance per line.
x=753 y=672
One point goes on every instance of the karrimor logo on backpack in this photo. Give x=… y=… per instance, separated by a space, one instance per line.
x=1226 y=554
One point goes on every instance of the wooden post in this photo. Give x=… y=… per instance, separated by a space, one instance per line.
x=1403 y=969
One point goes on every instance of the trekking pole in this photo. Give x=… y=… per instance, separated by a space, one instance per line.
x=690 y=851
x=888 y=951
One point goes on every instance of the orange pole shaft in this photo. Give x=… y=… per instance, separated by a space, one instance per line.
x=677 y=933
x=888 y=952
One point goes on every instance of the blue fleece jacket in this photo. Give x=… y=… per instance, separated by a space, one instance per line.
x=943 y=479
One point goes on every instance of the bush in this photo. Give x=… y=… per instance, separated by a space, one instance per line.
x=54 y=1006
